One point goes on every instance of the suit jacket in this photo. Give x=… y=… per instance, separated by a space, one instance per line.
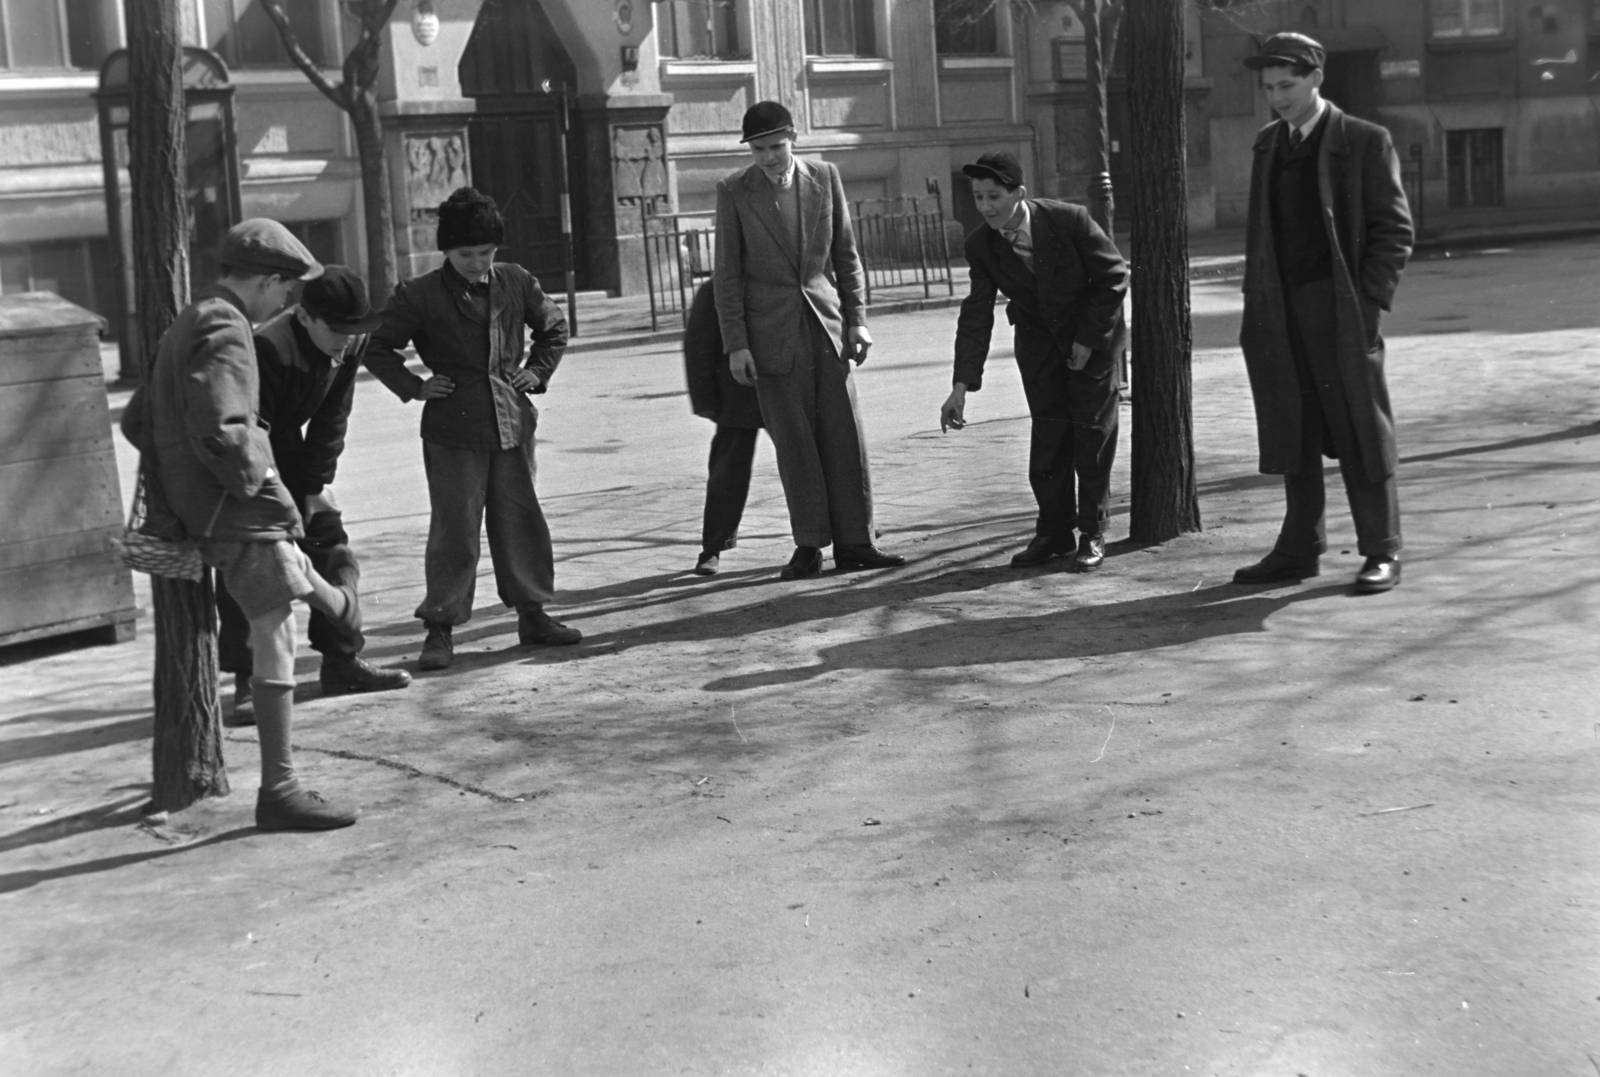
x=1369 y=230
x=306 y=398
x=765 y=287
x=436 y=313
x=200 y=435
x=712 y=391
x=1073 y=294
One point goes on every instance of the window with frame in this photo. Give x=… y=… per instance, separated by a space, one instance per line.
x=966 y=27
x=841 y=28
x=700 y=30
x=51 y=35
x=244 y=35
x=78 y=270
x=1464 y=19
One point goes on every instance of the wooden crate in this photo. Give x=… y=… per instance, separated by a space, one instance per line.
x=60 y=501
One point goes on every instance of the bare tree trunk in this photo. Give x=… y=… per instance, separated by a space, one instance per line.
x=381 y=260
x=187 y=746
x=1165 y=501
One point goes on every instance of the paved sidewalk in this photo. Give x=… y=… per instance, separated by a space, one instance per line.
x=947 y=819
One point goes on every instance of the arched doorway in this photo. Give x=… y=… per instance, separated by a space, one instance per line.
x=517 y=69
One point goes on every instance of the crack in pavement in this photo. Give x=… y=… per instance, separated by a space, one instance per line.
x=409 y=771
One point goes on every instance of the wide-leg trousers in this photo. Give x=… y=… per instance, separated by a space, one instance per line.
x=1075 y=419
x=816 y=433
x=733 y=452
x=464 y=487
x=1326 y=428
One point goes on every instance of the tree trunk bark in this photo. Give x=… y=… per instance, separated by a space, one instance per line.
x=187 y=745
x=1165 y=501
x=382 y=269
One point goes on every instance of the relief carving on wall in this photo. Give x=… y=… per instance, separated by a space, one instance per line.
x=436 y=164
x=639 y=167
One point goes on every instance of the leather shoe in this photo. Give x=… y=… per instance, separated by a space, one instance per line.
x=1378 y=574
x=1091 y=553
x=1276 y=567
x=708 y=565
x=342 y=674
x=438 y=650
x=1041 y=549
x=535 y=628
x=846 y=558
x=301 y=809
x=807 y=561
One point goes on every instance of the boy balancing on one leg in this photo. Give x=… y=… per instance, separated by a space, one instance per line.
x=197 y=415
x=468 y=319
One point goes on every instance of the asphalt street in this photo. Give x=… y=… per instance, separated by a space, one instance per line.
x=950 y=818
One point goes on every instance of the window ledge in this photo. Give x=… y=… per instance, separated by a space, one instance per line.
x=976 y=63
x=277 y=76
x=847 y=65
x=1470 y=44
x=24 y=82
x=703 y=68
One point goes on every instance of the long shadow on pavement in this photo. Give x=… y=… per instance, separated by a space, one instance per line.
x=11 y=882
x=1113 y=628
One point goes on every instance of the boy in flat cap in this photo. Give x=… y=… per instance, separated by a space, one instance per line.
x=791 y=300
x=1065 y=280
x=307 y=357
x=469 y=320
x=204 y=446
x=1329 y=233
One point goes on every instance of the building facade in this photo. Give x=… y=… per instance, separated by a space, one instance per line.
x=1492 y=103
x=645 y=97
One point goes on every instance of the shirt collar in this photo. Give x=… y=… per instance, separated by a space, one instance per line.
x=1025 y=226
x=456 y=280
x=787 y=181
x=1310 y=125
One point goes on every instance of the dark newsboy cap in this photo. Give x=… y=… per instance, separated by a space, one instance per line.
x=338 y=299
x=1287 y=50
x=1002 y=167
x=766 y=118
x=264 y=247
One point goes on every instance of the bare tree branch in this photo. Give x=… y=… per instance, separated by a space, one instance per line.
x=297 y=55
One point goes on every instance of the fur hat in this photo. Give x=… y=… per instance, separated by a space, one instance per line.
x=469 y=219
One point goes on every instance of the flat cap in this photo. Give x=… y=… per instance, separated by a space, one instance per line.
x=1000 y=166
x=267 y=247
x=338 y=299
x=1287 y=50
x=765 y=118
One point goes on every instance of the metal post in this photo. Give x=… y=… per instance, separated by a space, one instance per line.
x=944 y=238
x=649 y=261
x=562 y=127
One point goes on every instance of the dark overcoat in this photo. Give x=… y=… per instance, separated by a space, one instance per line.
x=1369 y=230
x=713 y=394
x=766 y=285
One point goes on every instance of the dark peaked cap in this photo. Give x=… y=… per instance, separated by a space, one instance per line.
x=1287 y=50
x=765 y=118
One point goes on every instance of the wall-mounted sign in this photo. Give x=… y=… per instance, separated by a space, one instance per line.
x=1400 y=69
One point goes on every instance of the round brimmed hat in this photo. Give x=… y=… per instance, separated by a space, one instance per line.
x=766 y=118
x=1000 y=166
x=265 y=247
x=469 y=218
x=338 y=299
x=1287 y=50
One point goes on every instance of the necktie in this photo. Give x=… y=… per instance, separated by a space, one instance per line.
x=1019 y=243
x=1295 y=138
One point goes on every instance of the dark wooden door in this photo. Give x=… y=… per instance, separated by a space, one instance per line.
x=1474 y=166
x=515 y=161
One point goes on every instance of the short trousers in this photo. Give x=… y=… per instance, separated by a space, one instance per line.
x=262 y=576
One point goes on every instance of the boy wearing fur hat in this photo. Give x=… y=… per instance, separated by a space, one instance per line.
x=469 y=320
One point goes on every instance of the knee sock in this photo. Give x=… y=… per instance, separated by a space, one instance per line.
x=274 y=711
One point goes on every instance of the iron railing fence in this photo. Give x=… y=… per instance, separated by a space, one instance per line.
x=902 y=243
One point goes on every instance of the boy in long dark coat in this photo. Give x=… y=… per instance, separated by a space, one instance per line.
x=1329 y=234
